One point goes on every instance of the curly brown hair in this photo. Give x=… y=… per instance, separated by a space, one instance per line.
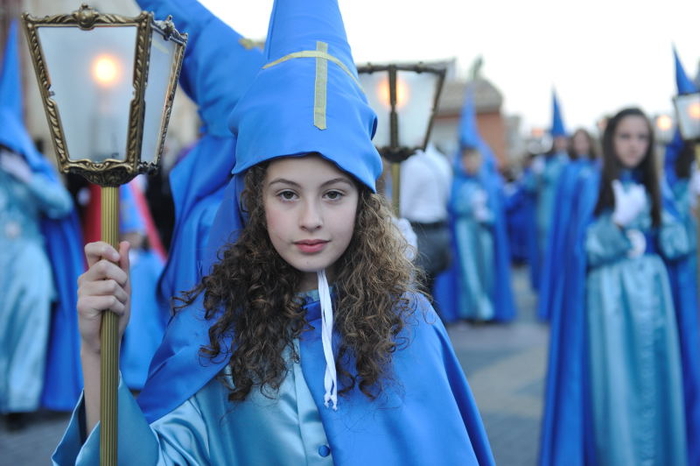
x=251 y=296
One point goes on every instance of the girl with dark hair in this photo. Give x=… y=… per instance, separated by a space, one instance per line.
x=635 y=367
x=615 y=365
x=306 y=342
x=582 y=145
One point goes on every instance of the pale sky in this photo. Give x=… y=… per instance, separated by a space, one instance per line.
x=600 y=55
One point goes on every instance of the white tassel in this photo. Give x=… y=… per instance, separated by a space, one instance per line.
x=330 y=380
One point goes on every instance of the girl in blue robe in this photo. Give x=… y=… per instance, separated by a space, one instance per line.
x=259 y=366
x=614 y=387
x=40 y=260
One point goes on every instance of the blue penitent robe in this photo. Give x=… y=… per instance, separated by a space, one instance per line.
x=475 y=250
x=48 y=256
x=543 y=185
x=148 y=319
x=516 y=213
x=683 y=274
x=426 y=415
x=216 y=70
x=448 y=289
x=553 y=270
x=618 y=314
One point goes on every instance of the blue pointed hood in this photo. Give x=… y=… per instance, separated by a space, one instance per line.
x=307 y=97
x=683 y=82
x=468 y=130
x=13 y=134
x=557 y=120
x=10 y=82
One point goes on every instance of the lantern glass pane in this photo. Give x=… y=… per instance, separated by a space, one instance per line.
x=688 y=112
x=376 y=87
x=415 y=100
x=91 y=75
x=157 y=89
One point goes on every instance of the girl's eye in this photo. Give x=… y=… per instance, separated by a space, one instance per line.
x=286 y=195
x=334 y=195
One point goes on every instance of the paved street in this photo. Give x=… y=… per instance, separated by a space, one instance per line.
x=505 y=366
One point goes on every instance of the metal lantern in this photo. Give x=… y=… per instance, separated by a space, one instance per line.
x=107 y=83
x=664 y=127
x=405 y=98
x=688 y=114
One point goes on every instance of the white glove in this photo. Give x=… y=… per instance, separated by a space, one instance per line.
x=480 y=209
x=638 y=242
x=404 y=227
x=16 y=166
x=628 y=204
x=538 y=164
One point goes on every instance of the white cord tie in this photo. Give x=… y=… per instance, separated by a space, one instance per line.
x=330 y=379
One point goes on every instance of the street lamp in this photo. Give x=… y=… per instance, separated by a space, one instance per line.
x=107 y=83
x=688 y=113
x=405 y=98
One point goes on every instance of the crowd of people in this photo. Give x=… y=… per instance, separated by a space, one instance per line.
x=293 y=318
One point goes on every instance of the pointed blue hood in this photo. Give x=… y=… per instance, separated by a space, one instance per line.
x=683 y=82
x=13 y=134
x=468 y=130
x=307 y=97
x=557 y=120
x=10 y=82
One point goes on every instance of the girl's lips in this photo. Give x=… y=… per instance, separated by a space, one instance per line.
x=311 y=246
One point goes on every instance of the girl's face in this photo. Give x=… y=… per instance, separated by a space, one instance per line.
x=560 y=144
x=310 y=208
x=580 y=144
x=471 y=161
x=631 y=140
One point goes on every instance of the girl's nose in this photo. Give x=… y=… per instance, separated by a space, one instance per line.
x=311 y=218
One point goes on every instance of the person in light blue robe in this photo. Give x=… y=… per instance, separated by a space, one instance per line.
x=473 y=233
x=280 y=381
x=40 y=259
x=478 y=283
x=683 y=185
x=542 y=182
x=148 y=319
x=218 y=66
x=554 y=270
x=614 y=390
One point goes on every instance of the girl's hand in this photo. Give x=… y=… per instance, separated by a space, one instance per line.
x=628 y=203
x=105 y=286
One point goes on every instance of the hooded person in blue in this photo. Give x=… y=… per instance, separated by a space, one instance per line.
x=546 y=169
x=40 y=259
x=683 y=182
x=614 y=390
x=554 y=270
x=478 y=286
x=259 y=367
x=218 y=67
